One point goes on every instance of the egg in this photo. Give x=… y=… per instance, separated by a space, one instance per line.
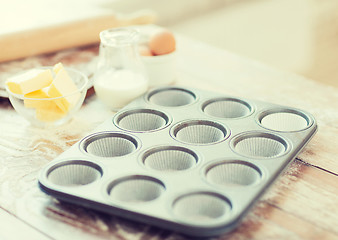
x=162 y=42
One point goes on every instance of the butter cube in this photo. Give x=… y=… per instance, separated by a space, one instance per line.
x=63 y=85
x=52 y=113
x=57 y=67
x=35 y=100
x=30 y=81
x=46 y=108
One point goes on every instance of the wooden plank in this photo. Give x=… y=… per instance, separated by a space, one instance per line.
x=14 y=228
x=300 y=205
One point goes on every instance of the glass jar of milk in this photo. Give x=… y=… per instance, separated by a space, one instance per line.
x=120 y=76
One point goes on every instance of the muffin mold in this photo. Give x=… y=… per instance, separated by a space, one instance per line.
x=187 y=160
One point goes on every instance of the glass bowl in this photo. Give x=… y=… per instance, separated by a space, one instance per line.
x=45 y=112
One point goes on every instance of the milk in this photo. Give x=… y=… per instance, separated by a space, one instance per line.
x=116 y=88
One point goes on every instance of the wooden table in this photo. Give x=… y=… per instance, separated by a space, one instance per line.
x=302 y=204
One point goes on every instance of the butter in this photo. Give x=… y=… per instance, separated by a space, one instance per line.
x=30 y=81
x=51 y=93
x=50 y=114
x=46 y=109
x=33 y=99
x=36 y=95
x=63 y=85
x=57 y=67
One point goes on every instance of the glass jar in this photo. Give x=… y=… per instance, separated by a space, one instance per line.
x=120 y=76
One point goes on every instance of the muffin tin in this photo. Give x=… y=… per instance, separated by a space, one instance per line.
x=182 y=159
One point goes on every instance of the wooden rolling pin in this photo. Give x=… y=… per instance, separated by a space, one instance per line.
x=66 y=35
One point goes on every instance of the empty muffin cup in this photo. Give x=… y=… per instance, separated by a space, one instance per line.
x=141 y=120
x=109 y=144
x=169 y=158
x=233 y=173
x=171 y=97
x=199 y=132
x=135 y=189
x=227 y=108
x=284 y=120
x=74 y=173
x=259 y=144
x=201 y=208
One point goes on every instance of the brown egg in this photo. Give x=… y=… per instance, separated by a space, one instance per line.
x=144 y=51
x=162 y=42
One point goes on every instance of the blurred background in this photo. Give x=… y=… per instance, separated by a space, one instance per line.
x=299 y=36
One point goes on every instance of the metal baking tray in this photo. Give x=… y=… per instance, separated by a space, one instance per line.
x=182 y=159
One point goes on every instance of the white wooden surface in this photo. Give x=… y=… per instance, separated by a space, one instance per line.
x=302 y=204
